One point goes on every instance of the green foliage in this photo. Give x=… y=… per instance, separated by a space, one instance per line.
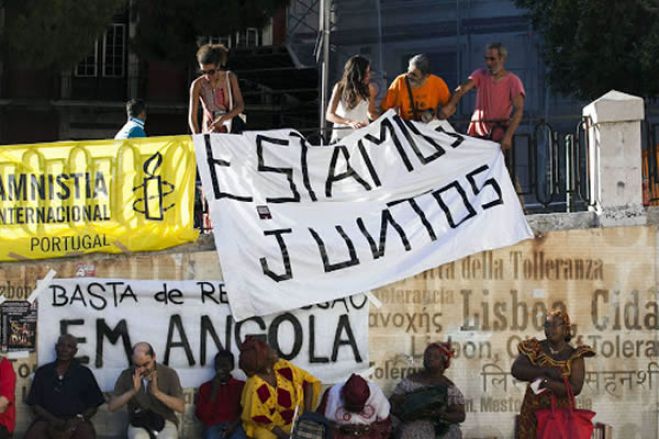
x=54 y=33
x=593 y=46
x=168 y=29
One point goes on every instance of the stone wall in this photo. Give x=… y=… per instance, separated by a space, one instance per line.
x=486 y=304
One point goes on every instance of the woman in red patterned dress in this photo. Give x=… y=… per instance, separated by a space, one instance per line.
x=549 y=361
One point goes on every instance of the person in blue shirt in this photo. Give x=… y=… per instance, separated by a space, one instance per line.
x=136 y=111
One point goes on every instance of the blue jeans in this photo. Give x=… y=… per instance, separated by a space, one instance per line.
x=217 y=432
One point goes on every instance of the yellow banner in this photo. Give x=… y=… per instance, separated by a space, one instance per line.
x=111 y=196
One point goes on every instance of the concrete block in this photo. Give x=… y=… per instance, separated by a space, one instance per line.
x=615 y=106
x=614 y=135
x=620 y=216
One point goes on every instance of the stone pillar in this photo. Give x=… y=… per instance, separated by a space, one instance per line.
x=614 y=137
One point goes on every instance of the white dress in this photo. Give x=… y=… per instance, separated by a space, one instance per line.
x=360 y=112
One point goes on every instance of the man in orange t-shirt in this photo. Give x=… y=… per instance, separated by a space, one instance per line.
x=428 y=92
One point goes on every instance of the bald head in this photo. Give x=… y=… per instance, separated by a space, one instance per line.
x=144 y=357
x=143 y=348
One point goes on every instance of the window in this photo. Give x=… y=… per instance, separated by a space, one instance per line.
x=225 y=40
x=251 y=37
x=87 y=66
x=112 y=47
x=114 y=50
x=247 y=38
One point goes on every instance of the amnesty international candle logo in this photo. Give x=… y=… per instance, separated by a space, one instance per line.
x=77 y=197
x=153 y=191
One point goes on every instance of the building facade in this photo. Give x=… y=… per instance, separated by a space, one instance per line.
x=87 y=101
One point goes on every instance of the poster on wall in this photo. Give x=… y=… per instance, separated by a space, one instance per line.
x=187 y=322
x=19 y=326
x=110 y=196
x=487 y=303
x=297 y=224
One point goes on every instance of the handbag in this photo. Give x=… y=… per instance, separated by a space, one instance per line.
x=311 y=425
x=237 y=124
x=419 y=402
x=564 y=423
x=149 y=420
x=426 y=398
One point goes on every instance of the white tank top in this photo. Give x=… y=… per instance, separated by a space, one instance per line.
x=360 y=112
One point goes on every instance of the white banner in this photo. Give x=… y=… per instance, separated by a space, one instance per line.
x=186 y=322
x=297 y=224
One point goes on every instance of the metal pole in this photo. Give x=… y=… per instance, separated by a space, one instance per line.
x=380 y=54
x=458 y=60
x=324 y=66
x=569 y=167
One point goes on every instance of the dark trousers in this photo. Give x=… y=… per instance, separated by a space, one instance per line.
x=40 y=429
x=4 y=433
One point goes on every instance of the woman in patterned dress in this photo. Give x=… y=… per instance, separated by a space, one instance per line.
x=549 y=361
x=275 y=389
x=435 y=421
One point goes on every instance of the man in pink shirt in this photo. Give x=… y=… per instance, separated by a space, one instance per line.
x=500 y=93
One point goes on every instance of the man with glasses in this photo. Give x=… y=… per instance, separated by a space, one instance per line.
x=152 y=393
x=64 y=396
x=417 y=94
x=500 y=93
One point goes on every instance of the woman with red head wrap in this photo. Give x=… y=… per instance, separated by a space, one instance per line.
x=274 y=390
x=548 y=361
x=427 y=403
x=356 y=409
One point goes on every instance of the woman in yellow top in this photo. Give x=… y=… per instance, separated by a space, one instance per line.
x=274 y=390
x=548 y=361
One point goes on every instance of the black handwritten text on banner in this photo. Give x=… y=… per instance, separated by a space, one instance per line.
x=187 y=322
x=297 y=224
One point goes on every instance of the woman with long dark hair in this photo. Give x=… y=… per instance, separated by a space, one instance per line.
x=353 y=99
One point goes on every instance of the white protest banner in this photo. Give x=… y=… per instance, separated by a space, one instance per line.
x=297 y=224
x=187 y=322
